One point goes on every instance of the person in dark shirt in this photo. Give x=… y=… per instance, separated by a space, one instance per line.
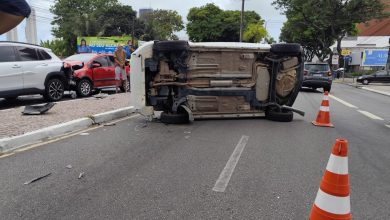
x=12 y=12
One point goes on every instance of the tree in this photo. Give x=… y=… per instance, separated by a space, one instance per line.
x=210 y=23
x=254 y=33
x=270 y=40
x=162 y=24
x=118 y=20
x=327 y=21
x=58 y=46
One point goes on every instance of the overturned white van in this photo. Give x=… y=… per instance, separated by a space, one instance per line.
x=186 y=81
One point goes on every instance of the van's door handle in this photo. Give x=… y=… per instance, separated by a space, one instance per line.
x=16 y=66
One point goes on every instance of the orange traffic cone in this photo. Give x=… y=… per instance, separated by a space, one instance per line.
x=323 y=117
x=332 y=201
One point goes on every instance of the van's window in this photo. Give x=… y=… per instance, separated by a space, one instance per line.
x=27 y=54
x=7 y=54
x=43 y=55
x=317 y=67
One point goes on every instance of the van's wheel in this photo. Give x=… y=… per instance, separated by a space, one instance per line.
x=84 y=88
x=327 y=88
x=54 y=90
x=289 y=49
x=171 y=45
x=174 y=118
x=282 y=116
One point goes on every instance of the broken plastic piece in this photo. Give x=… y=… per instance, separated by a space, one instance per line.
x=37 y=109
x=69 y=166
x=81 y=175
x=36 y=179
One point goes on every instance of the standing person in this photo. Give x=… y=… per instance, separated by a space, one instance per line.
x=12 y=12
x=129 y=49
x=120 y=73
x=84 y=48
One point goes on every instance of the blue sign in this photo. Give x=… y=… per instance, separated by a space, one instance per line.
x=375 y=57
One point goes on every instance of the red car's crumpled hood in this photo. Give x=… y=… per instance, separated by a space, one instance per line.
x=70 y=63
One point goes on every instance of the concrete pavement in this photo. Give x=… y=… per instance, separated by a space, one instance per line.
x=140 y=170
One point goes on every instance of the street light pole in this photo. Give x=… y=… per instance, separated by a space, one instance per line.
x=242 y=20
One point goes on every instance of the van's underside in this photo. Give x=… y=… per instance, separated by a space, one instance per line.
x=221 y=82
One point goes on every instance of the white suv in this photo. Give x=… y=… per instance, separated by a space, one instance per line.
x=30 y=69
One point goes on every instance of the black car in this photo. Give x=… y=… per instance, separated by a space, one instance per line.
x=380 y=76
x=317 y=75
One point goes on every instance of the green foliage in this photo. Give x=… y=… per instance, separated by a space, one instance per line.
x=270 y=40
x=254 y=33
x=162 y=24
x=75 y=18
x=58 y=47
x=210 y=23
x=318 y=24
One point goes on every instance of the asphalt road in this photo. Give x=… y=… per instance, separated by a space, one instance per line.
x=138 y=170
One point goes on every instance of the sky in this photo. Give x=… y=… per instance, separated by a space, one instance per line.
x=274 y=19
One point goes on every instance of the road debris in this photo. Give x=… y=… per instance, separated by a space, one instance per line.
x=109 y=124
x=186 y=137
x=187 y=132
x=100 y=96
x=69 y=166
x=37 y=109
x=36 y=179
x=73 y=94
x=84 y=134
x=81 y=175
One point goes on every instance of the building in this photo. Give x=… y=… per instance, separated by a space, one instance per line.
x=143 y=12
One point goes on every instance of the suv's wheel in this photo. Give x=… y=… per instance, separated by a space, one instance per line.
x=174 y=118
x=286 y=49
x=54 y=90
x=282 y=116
x=366 y=82
x=170 y=45
x=84 y=88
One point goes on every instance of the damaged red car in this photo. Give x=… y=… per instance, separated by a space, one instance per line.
x=92 y=72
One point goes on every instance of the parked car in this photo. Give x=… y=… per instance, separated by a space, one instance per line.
x=30 y=69
x=317 y=75
x=380 y=77
x=93 y=72
x=185 y=81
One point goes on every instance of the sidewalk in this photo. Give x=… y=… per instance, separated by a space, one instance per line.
x=13 y=123
x=380 y=88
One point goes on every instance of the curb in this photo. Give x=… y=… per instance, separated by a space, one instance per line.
x=376 y=91
x=13 y=143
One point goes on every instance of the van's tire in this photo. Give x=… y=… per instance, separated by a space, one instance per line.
x=327 y=88
x=174 y=118
x=175 y=45
x=54 y=90
x=286 y=49
x=283 y=116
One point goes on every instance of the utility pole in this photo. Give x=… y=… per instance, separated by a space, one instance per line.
x=242 y=20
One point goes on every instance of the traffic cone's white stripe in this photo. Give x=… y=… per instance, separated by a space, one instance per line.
x=324 y=108
x=333 y=204
x=337 y=165
x=325 y=97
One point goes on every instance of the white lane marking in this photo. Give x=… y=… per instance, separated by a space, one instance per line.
x=342 y=101
x=376 y=91
x=227 y=172
x=387 y=126
x=370 y=115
